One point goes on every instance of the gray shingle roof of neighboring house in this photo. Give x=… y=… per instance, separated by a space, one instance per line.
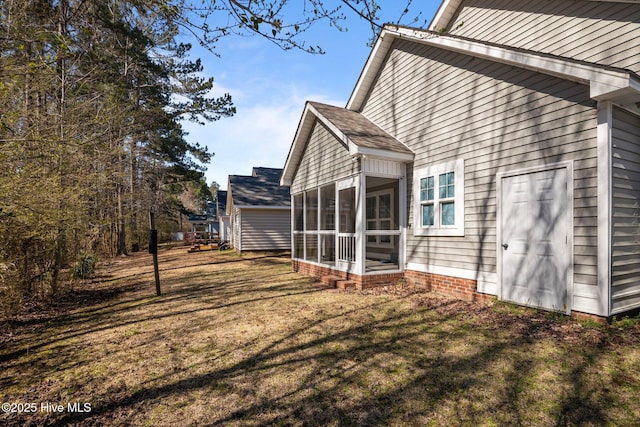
x=222 y=202
x=360 y=130
x=260 y=189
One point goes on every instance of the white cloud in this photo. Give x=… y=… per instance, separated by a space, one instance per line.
x=260 y=134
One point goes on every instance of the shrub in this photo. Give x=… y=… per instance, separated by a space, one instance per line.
x=85 y=267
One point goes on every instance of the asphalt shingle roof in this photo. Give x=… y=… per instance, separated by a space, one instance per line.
x=260 y=189
x=360 y=130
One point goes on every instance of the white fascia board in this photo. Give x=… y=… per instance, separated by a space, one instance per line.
x=444 y=14
x=370 y=70
x=297 y=146
x=354 y=149
x=604 y=83
x=333 y=128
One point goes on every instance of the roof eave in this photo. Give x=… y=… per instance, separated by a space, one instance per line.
x=442 y=18
x=605 y=83
x=376 y=153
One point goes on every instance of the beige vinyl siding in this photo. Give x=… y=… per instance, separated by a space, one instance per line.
x=497 y=118
x=603 y=33
x=625 y=252
x=325 y=160
x=265 y=229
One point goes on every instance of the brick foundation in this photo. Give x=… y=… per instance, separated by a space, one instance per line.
x=464 y=289
x=361 y=281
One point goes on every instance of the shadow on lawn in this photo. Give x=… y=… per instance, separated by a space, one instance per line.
x=337 y=389
x=401 y=367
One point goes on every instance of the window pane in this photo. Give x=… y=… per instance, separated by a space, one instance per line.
x=328 y=207
x=385 y=225
x=446 y=184
x=371 y=225
x=426 y=188
x=385 y=206
x=442 y=185
x=451 y=187
x=427 y=215
x=347 y=209
x=371 y=207
x=298 y=212
x=312 y=210
x=448 y=213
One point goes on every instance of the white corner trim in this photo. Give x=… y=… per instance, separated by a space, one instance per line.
x=604 y=136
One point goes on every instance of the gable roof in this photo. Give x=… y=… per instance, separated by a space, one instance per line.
x=606 y=82
x=358 y=134
x=261 y=189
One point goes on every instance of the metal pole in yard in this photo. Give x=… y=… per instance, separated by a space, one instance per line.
x=153 y=249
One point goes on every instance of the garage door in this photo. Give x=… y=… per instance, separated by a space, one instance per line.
x=535 y=222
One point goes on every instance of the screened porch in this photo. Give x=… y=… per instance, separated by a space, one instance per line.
x=352 y=225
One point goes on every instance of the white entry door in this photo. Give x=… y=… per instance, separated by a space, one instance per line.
x=535 y=253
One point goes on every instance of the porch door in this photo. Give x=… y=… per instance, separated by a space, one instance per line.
x=535 y=239
x=346 y=212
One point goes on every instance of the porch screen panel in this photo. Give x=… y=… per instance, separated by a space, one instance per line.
x=312 y=247
x=311 y=210
x=347 y=210
x=327 y=248
x=298 y=245
x=328 y=207
x=298 y=212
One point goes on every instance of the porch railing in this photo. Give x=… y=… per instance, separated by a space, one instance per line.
x=347 y=247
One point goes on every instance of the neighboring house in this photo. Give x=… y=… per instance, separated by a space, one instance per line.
x=200 y=223
x=259 y=210
x=224 y=221
x=496 y=158
x=210 y=220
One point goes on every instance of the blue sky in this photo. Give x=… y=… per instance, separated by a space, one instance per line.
x=270 y=86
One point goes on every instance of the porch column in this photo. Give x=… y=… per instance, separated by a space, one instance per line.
x=361 y=224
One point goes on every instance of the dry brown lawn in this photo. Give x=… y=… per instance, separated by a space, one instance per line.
x=242 y=340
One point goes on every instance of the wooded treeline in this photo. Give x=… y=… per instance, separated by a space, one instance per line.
x=91 y=98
